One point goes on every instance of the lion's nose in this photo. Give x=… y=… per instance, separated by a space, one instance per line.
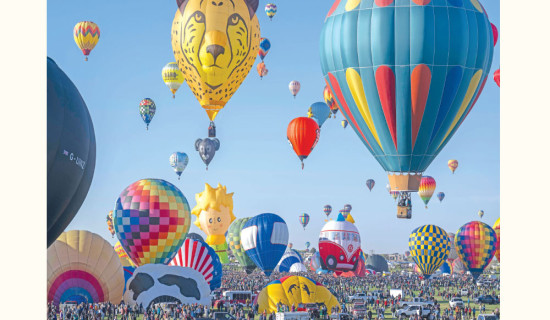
x=215 y=50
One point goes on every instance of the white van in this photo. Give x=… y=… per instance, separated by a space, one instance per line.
x=292 y=316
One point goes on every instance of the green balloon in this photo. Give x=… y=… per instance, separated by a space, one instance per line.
x=234 y=243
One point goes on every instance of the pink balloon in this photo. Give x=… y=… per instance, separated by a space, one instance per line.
x=495 y=34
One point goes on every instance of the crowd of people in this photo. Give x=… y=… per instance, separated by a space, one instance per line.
x=437 y=290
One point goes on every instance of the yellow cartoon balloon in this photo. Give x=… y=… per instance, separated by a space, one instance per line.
x=215 y=44
x=214 y=211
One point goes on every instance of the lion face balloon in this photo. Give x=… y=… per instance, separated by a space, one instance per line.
x=215 y=44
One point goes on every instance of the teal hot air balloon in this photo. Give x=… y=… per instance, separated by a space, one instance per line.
x=304 y=220
x=178 y=161
x=320 y=111
x=234 y=242
x=405 y=74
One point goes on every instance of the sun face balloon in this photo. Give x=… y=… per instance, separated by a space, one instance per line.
x=429 y=246
x=496 y=227
x=152 y=218
x=86 y=36
x=172 y=77
x=405 y=74
x=426 y=189
x=215 y=44
x=476 y=243
x=214 y=212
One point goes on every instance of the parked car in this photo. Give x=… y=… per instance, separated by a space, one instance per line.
x=359 y=311
x=487 y=317
x=417 y=301
x=340 y=316
x=456 y=301
x=358 y=297
x=412 y=310
x=464 y=292
x=486 y=299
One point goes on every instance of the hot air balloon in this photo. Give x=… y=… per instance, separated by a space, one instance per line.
x=330 y=101
x=307 y=245
x=304 y=220
x=86 y=36
x=178 y=161
x=480 y=214
x=496 y=76
x=147 y=109
x=458 y=267
x=83 y=267
x=320 y=112
x=495 y=34
x=71 y=151
x=214 y=212
x=200 y=256
x=110 y=223
x=476 y=243
x=347 y=208
x=303 y=134
x=265 y=45
x=452 y=164
x=125 y=261
x=327 y=209
x=290 y=245
x=172 y=77
x=405 y=79
x=496 y=227
x=265 y=238
x=288 y=260
x=207 y=148
x=234 y=243
x=429 y=246
x=377 y=263
x=453 y=255
x=441 y=196
x=294 y=291
x=340 y=245
x=426 y=189
x=344 y=123
x=270 y=10
x=216 y=59
x=194 y=236
x=294 y=87
x=155 y=232
x=370 y=184
x=262 y=70
x=344 y=213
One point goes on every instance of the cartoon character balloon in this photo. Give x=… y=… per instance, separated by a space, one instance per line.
x=339 y=245
x=151 y=219
x=270 y=10
x=71 y=151
x=304 y=220
x=207 y=148
x=403 y=83
x=330 y=101
x=429 y=246
x=452 y=164
x=476 y=243
x=441 y=196
x=178 y=161
x=147 y=109
x=214 y=212
x=426 y=189
x=303 y=134
x=265 y=239
x=86 y=35
x=215 y=45
x=370 y=184
x=172 y=77
x=265 y=45
x=82 y=266
x=234 y=243
x=320 y=112
x=294 y=87
x=198 y=255
x=496 y=227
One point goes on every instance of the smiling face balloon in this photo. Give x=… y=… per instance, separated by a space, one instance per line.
x=214 y=211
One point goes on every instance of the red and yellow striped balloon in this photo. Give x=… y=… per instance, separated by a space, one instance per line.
x=86 y=36
x=426 y=189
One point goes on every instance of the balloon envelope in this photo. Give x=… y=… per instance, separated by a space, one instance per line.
x=496 y=227
x=441 y=196
x=429 y=246
x=179 y=161
x=426 y=189
x=304 y=219
x=476 y=243
x=303 y=134
x=172 y=77
x=294 y=87
x=370 y=184
x=71 y=151
x=198 y=255
x=86 y=35
x=265 y=45
x=327 y=209
x=270 y=10
x=234 y=242
x=320 y=112
x=340 y=245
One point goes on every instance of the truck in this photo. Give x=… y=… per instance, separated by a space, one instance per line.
x=292 y=316
x=412 y=310
x=359 y=297
x=416 y=301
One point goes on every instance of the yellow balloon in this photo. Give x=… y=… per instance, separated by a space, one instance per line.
x=86 y=35
x=83 y=266
x=172 y=77
x=215 y=45
x=295 y=290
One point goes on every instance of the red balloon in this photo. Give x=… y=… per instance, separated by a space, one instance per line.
x=496 y=76
x=303 y=134
x=495 y=34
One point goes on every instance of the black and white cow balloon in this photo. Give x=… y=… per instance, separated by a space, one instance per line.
x=154 y=283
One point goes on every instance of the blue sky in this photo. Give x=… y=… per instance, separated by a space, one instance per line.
x=255 y=160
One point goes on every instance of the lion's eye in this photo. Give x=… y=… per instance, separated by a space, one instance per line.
x=234 y=19
x=198 y=16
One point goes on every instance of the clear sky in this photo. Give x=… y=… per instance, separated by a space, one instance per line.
x=255 y=160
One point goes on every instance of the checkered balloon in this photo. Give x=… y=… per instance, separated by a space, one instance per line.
x=429 y=246
x=152 y=218
x=476 y=243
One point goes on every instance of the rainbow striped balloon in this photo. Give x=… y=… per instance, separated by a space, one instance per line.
x=476 y=243
x=304 y=220
x=198 y=255
x=426 y=189
x=86 y=36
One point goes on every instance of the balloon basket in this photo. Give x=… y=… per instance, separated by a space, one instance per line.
x=404 y=182
x=403 y=213
x=86 y=58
